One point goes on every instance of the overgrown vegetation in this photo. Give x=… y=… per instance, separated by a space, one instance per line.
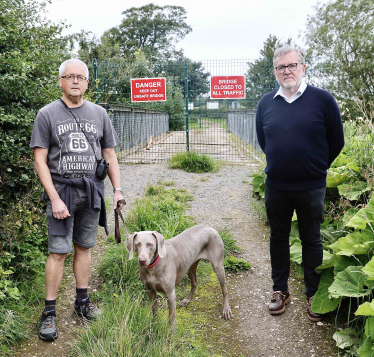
x=192 y=162
x=347 y=271
x=31 y=50
x=128 y=327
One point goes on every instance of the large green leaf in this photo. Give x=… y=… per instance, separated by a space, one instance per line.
x=344 y=262
x=353 y=165
x=322 y=303
x=349 y=214
x=258 y=183
x=369 y=328
x=341 y=160
x=328 y=263
x=296 y=252
x=363 y=216
x=353 y=190
x=339 y=175
x=346 y=338
x=368 y=269
x=355 y=243
x=351 y=282
x=336 y=177
x=365 y=309
x=366 y=349
x=340 y=262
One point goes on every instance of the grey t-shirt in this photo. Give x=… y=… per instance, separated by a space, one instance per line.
x=69 y=153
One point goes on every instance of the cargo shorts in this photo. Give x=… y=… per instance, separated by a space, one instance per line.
x=83 y=229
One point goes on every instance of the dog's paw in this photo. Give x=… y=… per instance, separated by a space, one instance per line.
x=185 y=302
x=227 y=315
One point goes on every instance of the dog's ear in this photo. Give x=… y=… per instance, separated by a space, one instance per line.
x=129 y=244
x=160 y=244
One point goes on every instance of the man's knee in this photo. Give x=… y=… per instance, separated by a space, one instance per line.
x=81 y=250
x=58 y=257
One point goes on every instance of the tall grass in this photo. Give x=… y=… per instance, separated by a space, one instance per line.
x=193 y=162
x=128 y=329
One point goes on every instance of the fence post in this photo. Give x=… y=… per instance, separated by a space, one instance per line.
x=186 y=93
x=95 y=81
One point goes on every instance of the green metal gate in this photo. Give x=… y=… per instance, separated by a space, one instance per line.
x=189 y=119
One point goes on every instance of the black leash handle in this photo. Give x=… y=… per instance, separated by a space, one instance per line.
x=117 y=212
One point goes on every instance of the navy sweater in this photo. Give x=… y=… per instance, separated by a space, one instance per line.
x=300 y=140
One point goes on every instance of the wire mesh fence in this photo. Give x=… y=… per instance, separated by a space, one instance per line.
x=189 y=119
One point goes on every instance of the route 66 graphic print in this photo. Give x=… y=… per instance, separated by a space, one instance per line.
x=77 y=158
x=77 y=142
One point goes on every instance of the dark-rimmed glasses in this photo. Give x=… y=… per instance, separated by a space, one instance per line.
x=291 y=67
x=70 y=78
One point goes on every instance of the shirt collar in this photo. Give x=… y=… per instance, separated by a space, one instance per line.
x=299 y=92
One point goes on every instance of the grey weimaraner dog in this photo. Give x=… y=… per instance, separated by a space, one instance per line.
x=164 y=263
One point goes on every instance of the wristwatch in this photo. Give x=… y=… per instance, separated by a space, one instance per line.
x=117 y=189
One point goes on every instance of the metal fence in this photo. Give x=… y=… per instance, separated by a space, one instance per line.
x=189 y=120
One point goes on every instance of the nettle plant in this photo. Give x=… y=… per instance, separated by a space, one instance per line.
x=347 y=232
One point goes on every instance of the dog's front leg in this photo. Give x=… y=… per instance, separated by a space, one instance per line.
x=172 y=306
x=153 y=300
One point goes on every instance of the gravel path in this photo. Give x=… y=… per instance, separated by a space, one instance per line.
x=221 y=199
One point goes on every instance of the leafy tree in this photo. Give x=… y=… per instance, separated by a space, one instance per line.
x=259 y=77
x=198 y=83
x=340 y=37
x=31 y=49
x=152 y=28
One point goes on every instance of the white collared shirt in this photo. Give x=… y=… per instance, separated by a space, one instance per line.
x=295 y=96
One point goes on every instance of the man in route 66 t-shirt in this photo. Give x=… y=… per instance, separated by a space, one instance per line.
x=68 y=138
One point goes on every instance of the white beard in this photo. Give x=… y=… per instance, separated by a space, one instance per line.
x=291 y=86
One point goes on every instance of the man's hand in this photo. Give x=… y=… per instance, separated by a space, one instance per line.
x=116 y=197
x=59 y=209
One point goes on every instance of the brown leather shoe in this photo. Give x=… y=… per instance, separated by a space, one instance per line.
x=312 y=316
x=278 y=302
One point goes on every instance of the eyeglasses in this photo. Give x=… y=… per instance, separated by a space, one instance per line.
x=70 y=78
x=292 y=67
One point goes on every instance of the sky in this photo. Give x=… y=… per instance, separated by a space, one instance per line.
x=227 y=29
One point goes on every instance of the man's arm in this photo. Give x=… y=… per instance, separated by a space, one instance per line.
x=260 y=129
x=110 y=156
x=335 y=131
x=59 y=208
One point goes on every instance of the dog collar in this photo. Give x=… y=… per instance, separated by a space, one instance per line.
x=154 y=263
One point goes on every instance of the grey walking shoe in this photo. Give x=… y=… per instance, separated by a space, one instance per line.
x=47 y=326
x=87 y=309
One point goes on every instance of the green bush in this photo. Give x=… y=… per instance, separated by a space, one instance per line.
x=193 y=162
x=31 y=51
x=23 y=239
x=229 y=242
x=236 y=265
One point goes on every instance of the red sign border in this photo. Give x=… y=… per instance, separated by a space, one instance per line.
x=210 y=84
x=147 y=101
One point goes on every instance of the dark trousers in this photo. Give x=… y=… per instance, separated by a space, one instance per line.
x=309 y=206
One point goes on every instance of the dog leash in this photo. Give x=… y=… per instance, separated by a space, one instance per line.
x=117 y=212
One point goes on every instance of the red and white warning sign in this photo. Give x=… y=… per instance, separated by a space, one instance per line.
x=227 y=87
x=148 y=89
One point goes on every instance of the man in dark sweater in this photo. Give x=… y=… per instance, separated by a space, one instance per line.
x=300 y=130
